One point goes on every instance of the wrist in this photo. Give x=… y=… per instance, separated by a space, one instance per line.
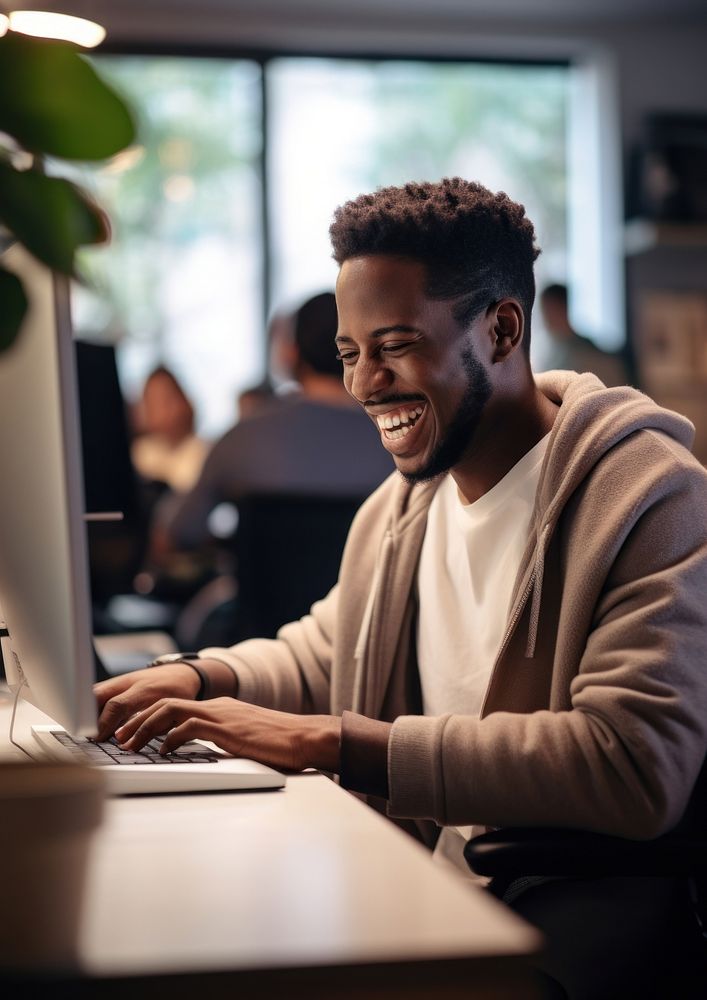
x=222 y=678
x=364 y=754
x=323 y=743
x=216 y=679
x=196 y=677
x=203 y=689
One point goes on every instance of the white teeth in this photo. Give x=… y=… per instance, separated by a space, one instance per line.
x=397 y=424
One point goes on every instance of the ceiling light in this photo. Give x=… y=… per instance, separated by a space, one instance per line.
x=4 y=24
x=48 y=25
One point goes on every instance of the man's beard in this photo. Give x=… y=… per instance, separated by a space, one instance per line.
x=463 y=426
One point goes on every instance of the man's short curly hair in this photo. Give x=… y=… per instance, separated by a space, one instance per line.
x=477 y=246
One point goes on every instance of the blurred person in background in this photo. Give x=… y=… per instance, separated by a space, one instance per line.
x=255 y=399
x=282 y=361
x=570 y=351
x=166 y=449
x=294 y=447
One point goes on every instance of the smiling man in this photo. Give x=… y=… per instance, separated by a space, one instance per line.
x=519 y=632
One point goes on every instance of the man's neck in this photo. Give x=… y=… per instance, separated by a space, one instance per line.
x=507 y=432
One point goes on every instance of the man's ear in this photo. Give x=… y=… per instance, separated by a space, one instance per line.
x=508 y=327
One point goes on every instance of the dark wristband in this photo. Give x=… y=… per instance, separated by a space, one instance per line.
x=188 y=659
x=204 y=692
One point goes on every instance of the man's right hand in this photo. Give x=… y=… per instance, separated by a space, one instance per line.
x=121 y=697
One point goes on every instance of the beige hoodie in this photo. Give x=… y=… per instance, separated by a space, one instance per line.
x=596 y=711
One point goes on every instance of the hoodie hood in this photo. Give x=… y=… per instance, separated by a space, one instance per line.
x=591 y=420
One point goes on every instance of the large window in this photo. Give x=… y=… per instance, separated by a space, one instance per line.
x=180 y=282
x=184 y=280
x=340 y=128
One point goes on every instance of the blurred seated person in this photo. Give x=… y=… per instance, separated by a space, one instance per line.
x=570 y=351
x=255 y=399
x=166 y=449
x=294 y=447
x=282 y=361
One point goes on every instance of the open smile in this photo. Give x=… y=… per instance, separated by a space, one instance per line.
x=397 y=425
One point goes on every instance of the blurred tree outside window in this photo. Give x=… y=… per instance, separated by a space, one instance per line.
x=179 y=284
x=338 y=128
x=182 y=282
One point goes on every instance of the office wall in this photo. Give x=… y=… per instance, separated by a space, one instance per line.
x=661 y=68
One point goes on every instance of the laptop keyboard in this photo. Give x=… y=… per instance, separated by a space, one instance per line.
x=108 y=752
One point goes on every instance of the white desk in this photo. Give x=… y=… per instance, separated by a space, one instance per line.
x=304 y=890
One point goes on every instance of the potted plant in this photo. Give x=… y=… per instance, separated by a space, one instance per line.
x=54 y=105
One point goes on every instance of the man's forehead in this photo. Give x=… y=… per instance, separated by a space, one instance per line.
x=381 y=268
x=380 y=284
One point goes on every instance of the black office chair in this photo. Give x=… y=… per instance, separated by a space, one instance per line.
x=288 y=549
x=520 y=859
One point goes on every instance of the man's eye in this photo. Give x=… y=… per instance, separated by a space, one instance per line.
x=348 y=357
x=390 y=348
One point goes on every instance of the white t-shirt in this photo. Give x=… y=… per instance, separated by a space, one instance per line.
x=470 y=557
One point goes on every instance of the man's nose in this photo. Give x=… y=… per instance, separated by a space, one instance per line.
x=368 y=377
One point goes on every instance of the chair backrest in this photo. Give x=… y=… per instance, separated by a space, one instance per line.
x=288 y=550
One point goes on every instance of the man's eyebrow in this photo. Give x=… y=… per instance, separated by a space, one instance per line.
x=382 y=331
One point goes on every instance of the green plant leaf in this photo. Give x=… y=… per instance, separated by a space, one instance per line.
x=13 y=306
x=53 y=101
x=49 y=215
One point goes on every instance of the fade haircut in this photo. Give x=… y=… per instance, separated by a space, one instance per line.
x=477 y=247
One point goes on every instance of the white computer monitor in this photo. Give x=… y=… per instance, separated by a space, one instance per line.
x=44 y=582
